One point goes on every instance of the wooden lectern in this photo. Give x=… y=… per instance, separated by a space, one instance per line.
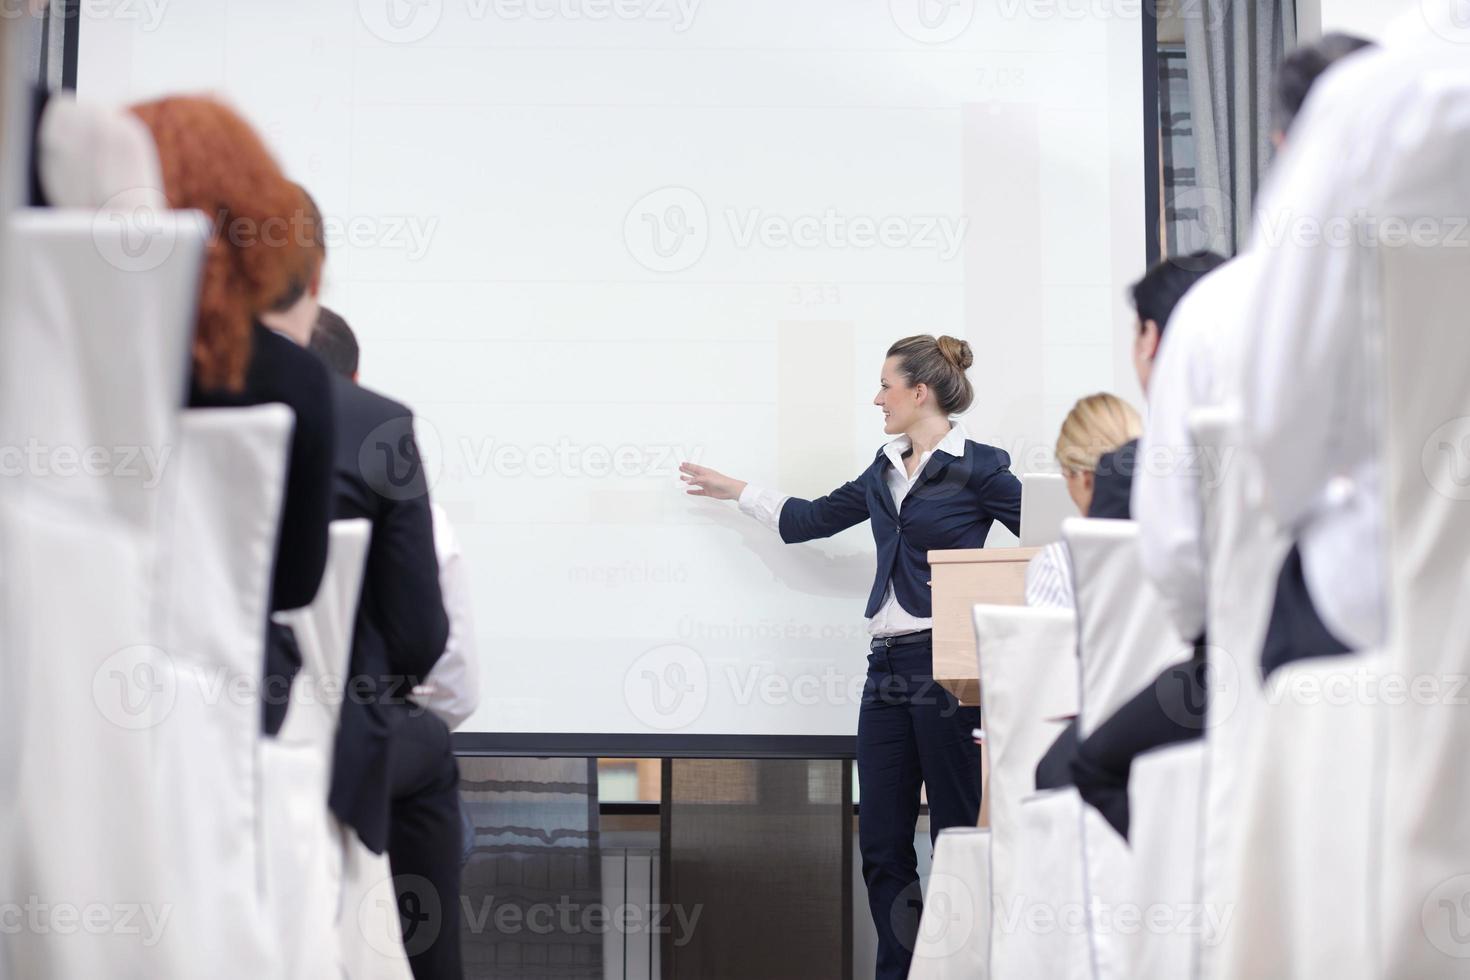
x=960 y=579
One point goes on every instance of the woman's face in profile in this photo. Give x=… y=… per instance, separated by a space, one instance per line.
x=899 y=402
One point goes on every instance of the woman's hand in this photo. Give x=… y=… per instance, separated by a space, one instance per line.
x=705 y=482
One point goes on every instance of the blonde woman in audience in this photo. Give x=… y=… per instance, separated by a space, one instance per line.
x=1097 y=425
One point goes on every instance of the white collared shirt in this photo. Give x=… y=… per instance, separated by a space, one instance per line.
x=1049 y=578
x=892 y=619
x=1371 y=144
x=1198 y=366
x=452 y=689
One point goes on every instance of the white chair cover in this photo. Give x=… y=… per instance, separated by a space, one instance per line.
x=1124 y=636
x=225 y=490
x=302 y=844
x=1305 y=841
x=1164 y=796
x=95 y=156
x=368 y=928
x=1028 y=680
x=954 y=931
x=1242 y=551
x=1425 y=779
x=1045 y=923
x=92 y=366
x=1125 y=639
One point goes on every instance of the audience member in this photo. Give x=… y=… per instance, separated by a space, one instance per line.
x=395 y=779
x=1096 y=425
x=213 y=161
x=1198 y=366
x=1099 y=764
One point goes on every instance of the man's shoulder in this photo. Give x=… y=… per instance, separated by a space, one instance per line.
x=363 y=405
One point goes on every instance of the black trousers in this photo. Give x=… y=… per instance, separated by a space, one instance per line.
x=911 y=731
x=1295 y=632
x=1055 y=768
x=424 y=842
x=1171 y=709
x=282 y=664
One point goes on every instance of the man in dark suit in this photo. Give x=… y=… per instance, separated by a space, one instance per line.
x=394 y=778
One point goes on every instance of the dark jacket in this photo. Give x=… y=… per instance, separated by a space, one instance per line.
x=401 y=623
x=951 y=505
x=281 y=371
x=1112 y=483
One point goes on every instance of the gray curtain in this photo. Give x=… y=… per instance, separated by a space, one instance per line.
x=42 y=34
x=1233 y=48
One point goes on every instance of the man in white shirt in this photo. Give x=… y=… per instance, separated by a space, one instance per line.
x=1311 y=408
x=1199 y=364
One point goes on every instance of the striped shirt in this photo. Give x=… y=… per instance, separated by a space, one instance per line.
x=1049 y=578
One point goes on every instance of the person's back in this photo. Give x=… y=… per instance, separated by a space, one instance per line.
x=401 y=623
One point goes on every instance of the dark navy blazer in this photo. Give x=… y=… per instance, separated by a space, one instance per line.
x=950 y=505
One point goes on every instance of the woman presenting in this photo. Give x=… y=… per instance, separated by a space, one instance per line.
x=930 y=488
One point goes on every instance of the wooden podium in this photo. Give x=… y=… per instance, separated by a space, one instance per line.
x=960 y=579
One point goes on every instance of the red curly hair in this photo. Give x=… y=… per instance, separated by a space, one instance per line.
x=213 y=161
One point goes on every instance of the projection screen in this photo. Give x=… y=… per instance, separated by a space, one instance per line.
x=586 y=239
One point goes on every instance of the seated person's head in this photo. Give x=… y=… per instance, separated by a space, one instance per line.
x=213 y=161
x=1096 y=425
x=1154 y=298
x=1297 y=74
x=335 y=343
x=294 y=313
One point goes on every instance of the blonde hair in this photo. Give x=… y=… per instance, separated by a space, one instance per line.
x=1096 y=425
x=940 y=363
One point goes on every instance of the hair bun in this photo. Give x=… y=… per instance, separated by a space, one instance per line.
x=957 y=352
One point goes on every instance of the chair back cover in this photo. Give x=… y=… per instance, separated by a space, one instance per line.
x=1045 y=924
x=224 y=495
x=93 y=360
x=1164 y=796
x=1028 y=679
x=1242 y=550
x=954 y=930
x=302 y=846
x=1425 y=293
x=1124 y=636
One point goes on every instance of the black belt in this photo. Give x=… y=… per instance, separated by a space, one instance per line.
x=883 y=642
